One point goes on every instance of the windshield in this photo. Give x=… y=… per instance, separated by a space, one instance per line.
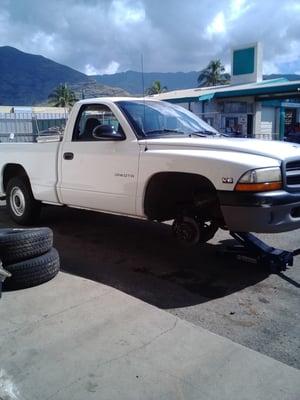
x=160 y=119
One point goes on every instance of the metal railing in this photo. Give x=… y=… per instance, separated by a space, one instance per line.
x=27 y=126
x=266 y=136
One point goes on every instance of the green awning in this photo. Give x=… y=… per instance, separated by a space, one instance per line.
x=208 y=96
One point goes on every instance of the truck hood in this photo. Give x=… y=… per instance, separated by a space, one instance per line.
x=273 y=149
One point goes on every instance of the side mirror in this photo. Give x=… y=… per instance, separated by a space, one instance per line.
x=107 y=132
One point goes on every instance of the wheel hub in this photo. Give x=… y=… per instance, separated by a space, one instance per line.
x=186 y=231
x=17 y=201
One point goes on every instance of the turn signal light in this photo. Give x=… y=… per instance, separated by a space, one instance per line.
x=258 y=187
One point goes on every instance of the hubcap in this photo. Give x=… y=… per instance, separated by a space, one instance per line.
x=17 y=201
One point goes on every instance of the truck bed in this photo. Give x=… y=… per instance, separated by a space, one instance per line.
x=40 y=163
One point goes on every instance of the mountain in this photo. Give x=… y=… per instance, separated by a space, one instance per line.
x=27 y=79
x=93 y=89
x=289 y=77
x=132 y=80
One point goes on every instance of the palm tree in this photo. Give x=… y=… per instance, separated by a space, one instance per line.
x=62 y=96
x=156 y=88
x=214 y=74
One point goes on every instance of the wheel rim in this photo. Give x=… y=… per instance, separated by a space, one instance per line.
x=17 y=201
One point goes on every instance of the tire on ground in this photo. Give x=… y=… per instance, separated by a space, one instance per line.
x=22 y=244
x=32 y=272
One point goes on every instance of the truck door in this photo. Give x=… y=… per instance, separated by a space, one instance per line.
x=98 y=170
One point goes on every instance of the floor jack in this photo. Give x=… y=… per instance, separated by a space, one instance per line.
x=253 y=250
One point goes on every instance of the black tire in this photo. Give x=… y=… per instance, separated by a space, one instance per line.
x=32 y=272
x=22 y=206
x=22 y=244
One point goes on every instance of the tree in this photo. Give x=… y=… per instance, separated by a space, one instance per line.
x=214 y=74
x=156 y=88
x=62 y=96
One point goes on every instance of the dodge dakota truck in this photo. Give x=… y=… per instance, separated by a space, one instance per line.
x=153 y=160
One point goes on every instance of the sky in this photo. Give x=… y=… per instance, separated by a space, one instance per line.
x=109 y=36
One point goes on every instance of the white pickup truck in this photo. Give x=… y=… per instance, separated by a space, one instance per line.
x=153 y=160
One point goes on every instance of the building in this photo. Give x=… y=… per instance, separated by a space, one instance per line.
x=248 y=106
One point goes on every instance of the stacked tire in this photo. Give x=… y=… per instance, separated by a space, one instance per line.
x=29 y=256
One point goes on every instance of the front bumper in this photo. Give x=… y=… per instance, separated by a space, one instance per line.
x=267 y=212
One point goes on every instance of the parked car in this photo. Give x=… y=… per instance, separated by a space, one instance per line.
x=234 y=134
x=157 y=161
x=293 y=137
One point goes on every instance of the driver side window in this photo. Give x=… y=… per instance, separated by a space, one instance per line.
x=90 y=117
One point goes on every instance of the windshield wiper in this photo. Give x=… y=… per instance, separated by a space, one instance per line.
x=202 y=133
x=191 y=134
x=163 y=131
x=198 y=134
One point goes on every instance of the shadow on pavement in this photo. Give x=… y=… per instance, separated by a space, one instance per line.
x=142 y=259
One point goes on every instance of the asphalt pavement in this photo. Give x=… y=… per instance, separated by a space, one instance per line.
x=236 y=300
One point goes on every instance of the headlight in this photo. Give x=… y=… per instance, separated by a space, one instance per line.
x=260 y=180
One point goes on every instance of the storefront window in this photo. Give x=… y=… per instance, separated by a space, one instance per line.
x=235 y=107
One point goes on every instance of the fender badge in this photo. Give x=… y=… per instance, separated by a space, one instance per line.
x=124 y=175
x=227 y=180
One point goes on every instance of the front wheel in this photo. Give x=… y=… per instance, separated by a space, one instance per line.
x=22 y=206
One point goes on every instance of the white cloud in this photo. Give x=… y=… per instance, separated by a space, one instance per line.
x=216 y=26
x=238 y=8
x=111 y=68
x=270 y=67
x=91 y=70
x=125 y=13
x=292 y=55
x=43 y=42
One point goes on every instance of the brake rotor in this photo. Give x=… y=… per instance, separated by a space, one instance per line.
x=190 y=232
x=186 y=230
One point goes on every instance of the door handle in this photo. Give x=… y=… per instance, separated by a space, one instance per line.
x=68 y=156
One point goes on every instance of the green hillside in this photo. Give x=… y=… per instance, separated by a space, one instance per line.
x=27 y=79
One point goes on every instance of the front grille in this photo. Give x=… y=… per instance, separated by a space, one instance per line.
x=293 y=173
